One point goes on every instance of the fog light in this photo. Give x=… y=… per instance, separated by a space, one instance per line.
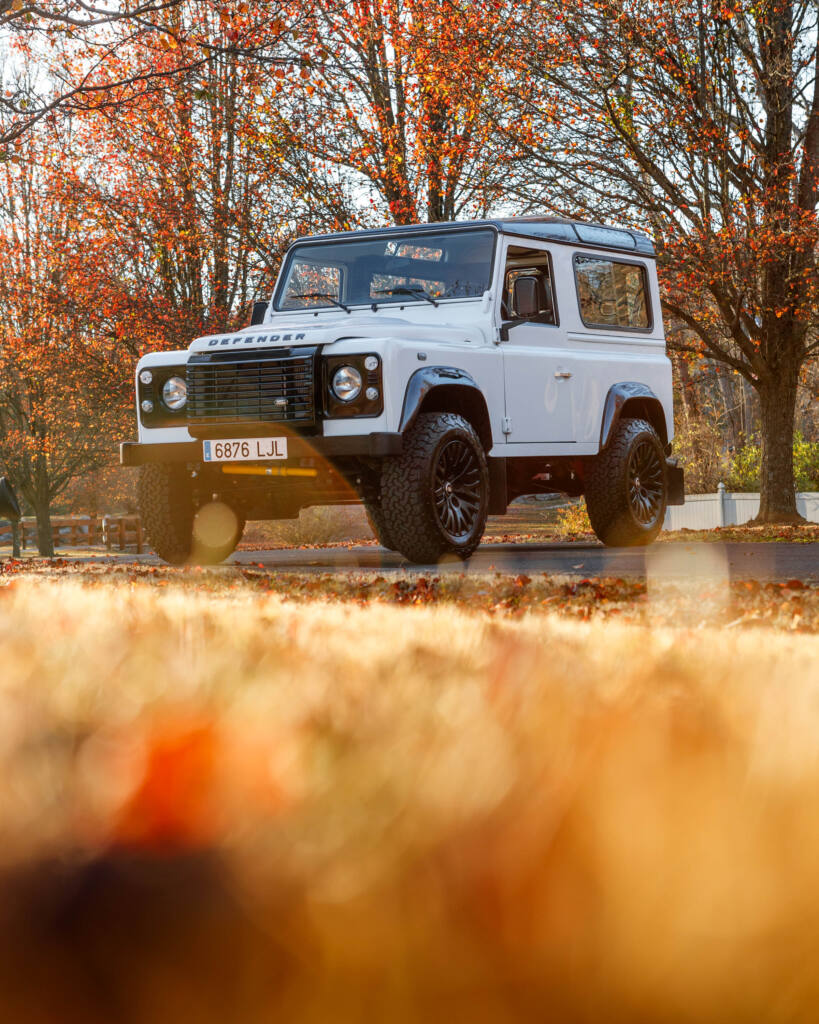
x=145 y=376
x=147 y=405
x=372 y=394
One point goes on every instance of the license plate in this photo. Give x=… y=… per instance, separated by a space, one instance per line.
x=244 y=449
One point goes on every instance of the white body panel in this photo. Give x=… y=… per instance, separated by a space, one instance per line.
x=535 y=409
x=160 y=435
x=558 y=375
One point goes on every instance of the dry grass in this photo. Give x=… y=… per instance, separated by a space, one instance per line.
x=806 y=533
x=318 y=526
x=228 y=807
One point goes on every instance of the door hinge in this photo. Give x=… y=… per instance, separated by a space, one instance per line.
x=506 y=425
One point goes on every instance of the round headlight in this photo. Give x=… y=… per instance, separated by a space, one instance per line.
x=346 y=383
x=146 y=376
x=174 y=393
x=371 y=363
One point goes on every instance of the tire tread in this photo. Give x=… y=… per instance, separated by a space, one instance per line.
x=166 y=506
x=378 y=524
x=166 y=511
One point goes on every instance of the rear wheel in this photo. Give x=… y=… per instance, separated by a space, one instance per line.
x=435 y=496
x=626 y=486
x=178 y=531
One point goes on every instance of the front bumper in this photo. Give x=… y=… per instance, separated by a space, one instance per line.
x=378 y=445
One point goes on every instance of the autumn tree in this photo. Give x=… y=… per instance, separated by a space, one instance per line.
x=183 y=180
x=148 y=218
x=404 y=97
x=701 y=122
x=47 y=33
x=64 y=380
x=91 y=55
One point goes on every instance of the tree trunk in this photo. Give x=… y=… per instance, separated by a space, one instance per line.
x=749 y=415
x=777 y=401
x=45 y=540
x=40 y=499
x=687 y=394
x=729 y=401
x=16 y=547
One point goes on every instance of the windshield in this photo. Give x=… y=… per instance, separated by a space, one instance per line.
x=388 y=270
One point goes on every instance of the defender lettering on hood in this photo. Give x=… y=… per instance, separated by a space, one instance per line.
x=255 y=339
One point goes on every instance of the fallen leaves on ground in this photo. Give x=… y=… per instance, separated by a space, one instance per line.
x=791 y=605
x=769 y=533
x=537 y=528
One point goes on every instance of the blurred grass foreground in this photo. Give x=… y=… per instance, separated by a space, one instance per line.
x=236 y=809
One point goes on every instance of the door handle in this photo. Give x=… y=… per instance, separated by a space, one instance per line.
x=562 y=374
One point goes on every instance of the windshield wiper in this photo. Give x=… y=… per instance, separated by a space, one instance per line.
x=322 y=295
x=419 y=292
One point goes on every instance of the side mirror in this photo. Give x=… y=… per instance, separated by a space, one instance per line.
x=9 y=506
x=259 y=311
x=526 y=299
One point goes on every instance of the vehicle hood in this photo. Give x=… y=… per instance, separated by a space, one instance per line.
x=284 y=333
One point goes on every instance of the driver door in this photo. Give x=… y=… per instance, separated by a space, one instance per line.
x=536 y=362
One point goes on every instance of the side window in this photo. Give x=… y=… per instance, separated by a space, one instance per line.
x=612 y=293
x=528 y=293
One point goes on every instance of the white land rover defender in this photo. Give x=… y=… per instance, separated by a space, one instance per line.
x=434 y=373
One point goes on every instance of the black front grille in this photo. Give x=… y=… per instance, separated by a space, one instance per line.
x=252 y=387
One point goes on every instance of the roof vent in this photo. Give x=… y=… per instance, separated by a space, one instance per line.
x=613 y=237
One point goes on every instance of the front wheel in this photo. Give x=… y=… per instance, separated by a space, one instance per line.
x=435 y=497
x=626 y=486
x=378 y=524
x=178 y=531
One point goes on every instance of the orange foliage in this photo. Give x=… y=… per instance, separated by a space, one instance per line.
x=409 y=97
x=64 y=375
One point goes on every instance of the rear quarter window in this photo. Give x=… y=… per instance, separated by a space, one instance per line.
x=612 y=293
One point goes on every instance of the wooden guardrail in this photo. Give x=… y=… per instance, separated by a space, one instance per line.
x=116 y=533
x=123 y=531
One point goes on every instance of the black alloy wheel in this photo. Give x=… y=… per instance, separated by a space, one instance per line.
x=626 y=485
x=457 y=489
x=646 y=487
x=435 y=495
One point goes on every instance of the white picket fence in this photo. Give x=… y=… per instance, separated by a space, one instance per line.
x=728 y=508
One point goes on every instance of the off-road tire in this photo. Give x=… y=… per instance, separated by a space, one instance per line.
x=408 y=489
x=375 y=517
x=621 y=515
x=166 y=506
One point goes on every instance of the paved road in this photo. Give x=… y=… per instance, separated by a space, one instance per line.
x=672 y=560
x=677 y=560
